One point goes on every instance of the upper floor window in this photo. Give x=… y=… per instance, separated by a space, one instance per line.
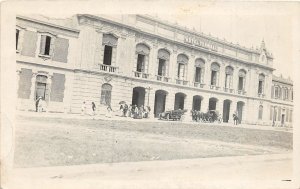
x=199 y=70
x=142 y=57
x=17 y=38
x=46 y=45
x=228 y=77
x=109 y=43
x=276 y=92
x=182 y=61
x=242 y=80
x=163 y=59
x=261 y=81
x=215 y=69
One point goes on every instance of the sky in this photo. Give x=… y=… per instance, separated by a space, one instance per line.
x=246 y=23
x=248 y=30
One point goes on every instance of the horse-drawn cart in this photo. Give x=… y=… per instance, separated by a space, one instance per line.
x=172 y=115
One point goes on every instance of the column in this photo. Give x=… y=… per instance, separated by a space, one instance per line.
x=235 y=79
x=188 y=103
x=173 y=65
x=48 y=88
x=191 y=69
x=204 y=104
x=150 y=100
x=170 y=98
x=221 y=77
x=232 y=110
x=220 y=104
x=207 y=74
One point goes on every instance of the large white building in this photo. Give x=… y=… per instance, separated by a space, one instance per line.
x=143 y=61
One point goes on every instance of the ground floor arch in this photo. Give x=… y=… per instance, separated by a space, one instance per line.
x=179 y=101
x=240 y=110
x=138 y=96
x=212 y=105
x=226 y=110
x=197 y=102
x=159 y=102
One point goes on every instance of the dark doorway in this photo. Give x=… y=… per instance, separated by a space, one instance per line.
x=179 y=101
x=197 y=103
x=138 y=96
x=160 y=102
x=226 y=110
x=212 y=104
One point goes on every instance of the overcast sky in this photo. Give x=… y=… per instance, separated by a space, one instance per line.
x=246 y=23
x=248 y=30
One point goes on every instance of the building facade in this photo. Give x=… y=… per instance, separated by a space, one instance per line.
x=143 y=61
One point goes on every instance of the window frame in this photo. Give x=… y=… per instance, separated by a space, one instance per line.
x=51 y=47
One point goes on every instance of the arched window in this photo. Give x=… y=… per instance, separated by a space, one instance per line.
x=41 y=87
x=228 y=77
x=242 y=80
x=260 y=112
x=182 y=61
x=105 y=94
x=163 y=57
x=142 y=57
x=261 y=82
x=215 y=69
x=109 y=43
x=199 y=70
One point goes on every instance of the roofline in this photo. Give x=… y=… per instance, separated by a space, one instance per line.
x=48 y=24
x=173 y=41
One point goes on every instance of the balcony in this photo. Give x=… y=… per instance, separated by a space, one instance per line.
x=181 y=82
x=214 y=87
x=198 y=84
x=241 y=92
x=108 y=68
x=141 y=75
x=260 y=95
x=228 y=90
x=162 y=78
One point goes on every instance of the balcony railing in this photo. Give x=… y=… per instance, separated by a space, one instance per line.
x=198 y=84
x=214 y=87
x=140 y=74
x=181 y=82
x=162 y=78
x=260 y=95
x=241 y=92
x=108 y=68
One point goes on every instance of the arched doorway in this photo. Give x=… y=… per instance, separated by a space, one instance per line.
x=159 y=102
x=212 y=103
x=105 y=94
x=240 y=108
x=226 y=110
x=179 y=101
x=138 y=96
x=197 y=102
x=41 y=87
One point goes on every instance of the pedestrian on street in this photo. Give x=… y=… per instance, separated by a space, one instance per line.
x=38 y=104
x=83 y=108
x=94 y=108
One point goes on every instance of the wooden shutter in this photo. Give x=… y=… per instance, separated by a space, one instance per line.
x=24 y=89
x=29 y=43
x=60 y=49
x=272 y=92
x=57 y=87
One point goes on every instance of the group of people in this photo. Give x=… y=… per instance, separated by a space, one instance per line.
x=84 y=108
x=134 y=111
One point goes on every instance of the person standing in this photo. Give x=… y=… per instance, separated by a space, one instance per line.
x=83 y=108
x=37 y=103
x=94 y=108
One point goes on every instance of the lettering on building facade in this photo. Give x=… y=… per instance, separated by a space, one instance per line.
x=199 y=42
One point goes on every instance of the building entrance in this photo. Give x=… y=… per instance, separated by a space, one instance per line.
x=212 y=104
x=138 y=96
x=160 y=102
x=197 y=103
x=226 y=110
x=179 y=101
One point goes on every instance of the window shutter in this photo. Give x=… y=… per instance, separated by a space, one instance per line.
x=60 y=49
x=279 y=114
x=52 y=46
x=272 y=92
x=57 y=87
x=24 y=89
x=202 y=75
x=29 y=43
x=42 y=44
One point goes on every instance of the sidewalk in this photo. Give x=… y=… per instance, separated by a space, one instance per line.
x=116 y=117
x=236 y=172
